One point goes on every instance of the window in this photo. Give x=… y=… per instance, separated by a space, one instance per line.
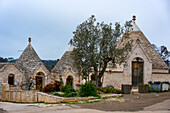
x=11 y=79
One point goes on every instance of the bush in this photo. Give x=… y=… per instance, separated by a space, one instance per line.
x=150 y=89
x=58 y=94
x=56 y=86
x=72 y=94
x=78 y=85
x=48 y=88
x=62 y=88
x=111 y=90
x=68 y=89
x=150 y=82
x=52 y=87
x=88 y=89
x=98 y=89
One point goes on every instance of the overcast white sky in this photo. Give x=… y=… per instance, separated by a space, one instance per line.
x=50 y=23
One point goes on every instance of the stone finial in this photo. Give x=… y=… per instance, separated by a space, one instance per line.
x=134 y=18
x=71 y=41
x=29 y=40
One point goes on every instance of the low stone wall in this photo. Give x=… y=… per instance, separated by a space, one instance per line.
x=20 y=96
x=44 y=97
x=34 y=96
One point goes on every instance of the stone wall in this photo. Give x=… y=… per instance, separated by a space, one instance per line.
x=114 y=79
x=11 y=69
x=160 y=77
x=20 y=96
x=34 y=96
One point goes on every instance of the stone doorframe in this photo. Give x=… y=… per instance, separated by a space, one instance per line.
x=70 y=79
x=137 y=71
x=42 y=76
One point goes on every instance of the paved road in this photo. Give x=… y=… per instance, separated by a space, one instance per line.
x=145 y=103
x=163 y=107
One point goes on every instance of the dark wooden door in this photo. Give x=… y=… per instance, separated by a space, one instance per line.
x=137 y=73
x=69 y=81
x=38 y=82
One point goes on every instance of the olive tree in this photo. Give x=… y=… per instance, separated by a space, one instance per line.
x=95 y=44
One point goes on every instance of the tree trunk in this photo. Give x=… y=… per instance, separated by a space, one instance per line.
x=101 y=73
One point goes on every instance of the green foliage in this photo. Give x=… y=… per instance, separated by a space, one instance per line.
x=69 y=89
x=88 y=89
x=157 y=82
x=150 y=89
x=62 y=88
x=58 y=94
x=72 y=94
x=150 y=82
x=95 y=45
x=111 y=90
x=98 y=89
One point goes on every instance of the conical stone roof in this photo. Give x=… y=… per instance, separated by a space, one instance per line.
x=136 y=34
x=65 y=63
x=29 y=60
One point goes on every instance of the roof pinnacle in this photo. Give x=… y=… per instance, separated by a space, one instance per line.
x=71 y=42
x=134 y=18
x=29 y=40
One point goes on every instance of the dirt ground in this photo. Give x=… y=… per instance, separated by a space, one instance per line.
x=130 y=102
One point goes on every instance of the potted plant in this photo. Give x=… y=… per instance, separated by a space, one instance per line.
x=143 y=88
x=126 y=88
x=165 y=86
x=156 y=86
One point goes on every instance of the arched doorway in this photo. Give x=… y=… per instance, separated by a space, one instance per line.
x=137 y=71
x=11 y=79
x=39 y=80
x=69 y=81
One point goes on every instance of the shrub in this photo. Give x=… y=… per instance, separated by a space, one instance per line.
x=52 y=87
x=72 y=94
x=157 y=82
x=58 y=94
x=62 y=88
x=88 y=89
x=111 y=90
x=150 y=89
x=68 y=89
x=150 y=82
x=48 y=88
x=78 y=85
x=56 y=86
x=98 y=89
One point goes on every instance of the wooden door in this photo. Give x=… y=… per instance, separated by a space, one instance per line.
x=69 y=81
x=137 y=73
x=39 y=82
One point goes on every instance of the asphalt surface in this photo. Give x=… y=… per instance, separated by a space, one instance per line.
x=136 y=103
